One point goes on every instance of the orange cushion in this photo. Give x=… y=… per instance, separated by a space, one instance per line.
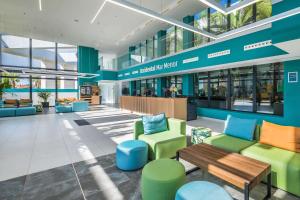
x=284 y=137
x=11 y=101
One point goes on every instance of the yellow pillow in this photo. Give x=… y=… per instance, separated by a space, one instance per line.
x=284 y=137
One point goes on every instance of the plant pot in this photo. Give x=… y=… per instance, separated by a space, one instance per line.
x=45 y=104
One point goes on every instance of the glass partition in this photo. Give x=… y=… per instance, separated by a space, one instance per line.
x=201 y=22
x=15 y=51
x=201 y=88
x=242 y=89
x=218 y=89
x=170 y=41
x=43 y=54
x=67 y=57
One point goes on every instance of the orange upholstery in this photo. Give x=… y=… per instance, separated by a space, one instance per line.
x=284 y=137
x=11 y=101
x=25 y=101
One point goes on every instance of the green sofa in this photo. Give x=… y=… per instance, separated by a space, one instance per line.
x=163 y=144
x=285 y=165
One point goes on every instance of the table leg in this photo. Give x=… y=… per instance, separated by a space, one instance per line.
x=269 y=185
x=246 y=191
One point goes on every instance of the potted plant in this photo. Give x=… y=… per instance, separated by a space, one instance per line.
x=4 y=84
x=44 y=96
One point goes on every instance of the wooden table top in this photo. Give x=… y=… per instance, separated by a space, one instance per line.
x=231 y=167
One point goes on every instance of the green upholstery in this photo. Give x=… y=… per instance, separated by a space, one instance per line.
x=161 y=179
x=228 y=143
x=285 y=165
x=163 y=144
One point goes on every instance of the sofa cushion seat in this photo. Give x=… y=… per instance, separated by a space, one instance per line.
x=161 y=143
x=63 y=108
x=25 y=111
x=285 y=165
x=228 y=143
x=7 y=112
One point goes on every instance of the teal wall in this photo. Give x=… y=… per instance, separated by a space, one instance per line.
x=291 y=114
x=161 y=83
x=290 y=26
x=87 y=62
x=188 y=85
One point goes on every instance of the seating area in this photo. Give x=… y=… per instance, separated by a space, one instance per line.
x=150 y=100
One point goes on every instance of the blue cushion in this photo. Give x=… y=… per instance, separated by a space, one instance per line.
x=240 y=128
x=202 y=190
x=154 y=124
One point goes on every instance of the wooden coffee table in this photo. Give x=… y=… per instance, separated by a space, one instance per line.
x=241 y=171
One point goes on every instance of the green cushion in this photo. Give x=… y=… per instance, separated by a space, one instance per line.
x=161 y=179
x=285 y=165
x=228 y=143
x=163 y=144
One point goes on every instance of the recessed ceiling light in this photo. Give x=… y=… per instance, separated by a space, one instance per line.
x=40 y=5
x=98 y=12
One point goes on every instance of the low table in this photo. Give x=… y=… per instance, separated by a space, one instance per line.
x=241 y=171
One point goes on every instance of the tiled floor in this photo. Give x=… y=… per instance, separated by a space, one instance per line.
x=51 y=157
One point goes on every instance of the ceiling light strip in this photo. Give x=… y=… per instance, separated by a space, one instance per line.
x=98 y=12
x=150 y=13
x=40 y=5
x=242 y=4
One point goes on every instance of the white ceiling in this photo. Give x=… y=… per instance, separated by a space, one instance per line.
x=113 y=31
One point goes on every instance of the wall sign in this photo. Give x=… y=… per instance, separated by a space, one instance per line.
x=293 y=77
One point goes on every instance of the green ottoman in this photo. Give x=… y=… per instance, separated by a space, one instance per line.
x=199 y=134
x=161 y=179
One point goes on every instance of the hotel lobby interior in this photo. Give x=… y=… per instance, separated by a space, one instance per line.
x=149 y=100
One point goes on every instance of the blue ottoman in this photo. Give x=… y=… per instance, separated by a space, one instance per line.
x=63 y=109
x=80 y=106
x=202 y=190
x=7 y=112
x=25 y=111
x=131 y=155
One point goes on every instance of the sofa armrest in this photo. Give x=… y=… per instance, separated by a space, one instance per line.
x=138 y=129
x=177 y=126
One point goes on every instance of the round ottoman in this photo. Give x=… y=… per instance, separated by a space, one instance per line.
x=202 y=190
x=131 y=155
x=161 y=179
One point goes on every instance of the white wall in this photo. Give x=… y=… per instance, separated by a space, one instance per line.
x=107 y=61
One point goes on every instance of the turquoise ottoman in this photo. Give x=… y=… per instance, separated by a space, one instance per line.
x=63 y=108
x=7 y=112
x=80 y=106
x=202 y=190
x=131 y=155
x=25 y=111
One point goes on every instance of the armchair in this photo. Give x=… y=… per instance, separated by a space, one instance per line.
x=163 y=144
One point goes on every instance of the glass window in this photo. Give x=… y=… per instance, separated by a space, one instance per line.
x=15 y=51
x=136 y=55
x=269 y=89
x=173 y=81
x=143 y=51
x=201 y=88
x=170 y=41
x=218 y=89
x=138 y=88
x=43 y=54
x=179 y=39
x=201 y=22
x=218 y=21
x=155 y=43
x=150 y=87
x=43 y=84
x=67 y=88
x=19 y=86
x=143 y=88
x=67 y=57
x=241 y=17
x=263 y=9
x=125 y=88
x=242 y=89
x=150 y=49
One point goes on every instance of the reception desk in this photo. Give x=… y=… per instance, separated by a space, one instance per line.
x=172 y=107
